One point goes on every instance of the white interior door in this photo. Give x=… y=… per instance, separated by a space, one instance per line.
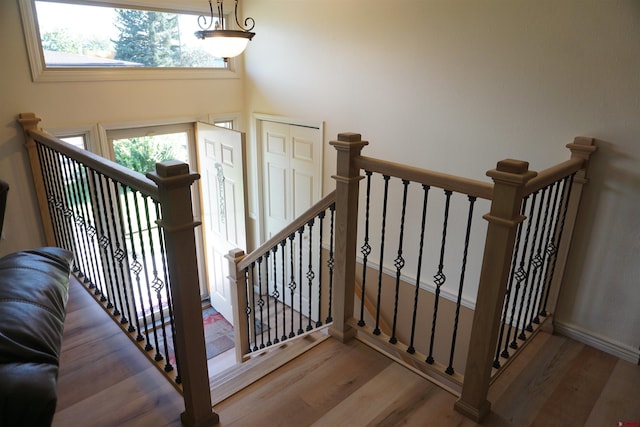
x=291 y=184
x=221 y=164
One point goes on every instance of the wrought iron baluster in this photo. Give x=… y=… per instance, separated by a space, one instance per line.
x=472 y=201
x=532 y=269
x=521 y=276
x=97 y=181
x=267 y=297
x=45 y=168
x=168 y=367
x=106 y=241
x=292 y=282
x=505 y=309
x=366 y=248
x=71 y=211
x=300 y=232
x=321 y=217
x=439 y=278
x=411 y=349
x=156 y=283
x=145 y=265
x=88 y=213
x=310 y=274
x=121 y=255
x=82 y=219
x=260 y=304
x=399 y=262
x=283 y=245
x=331 y=261
x=134 y=266
x=276 y=293
x=376 y=330
x=247 y=289
x=559 y=234
x=252 y=294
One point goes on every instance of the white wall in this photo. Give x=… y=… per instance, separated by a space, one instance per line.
x=457 y=85
x=73 y=104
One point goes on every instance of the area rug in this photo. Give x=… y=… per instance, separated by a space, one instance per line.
x=218 y=334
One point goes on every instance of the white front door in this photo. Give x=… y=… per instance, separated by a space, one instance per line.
x=221 y=164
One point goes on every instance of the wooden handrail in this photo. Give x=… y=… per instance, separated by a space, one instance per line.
x=553 y=174
x=472 y=187
x=126 y=176
x=309 y=214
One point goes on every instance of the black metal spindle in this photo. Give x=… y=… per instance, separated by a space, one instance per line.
x=83 y=220
x=114 y=252
x=472 y=201
x=247 y=290
x=320 y=269
x=559 y=233
x=44 y=168
x=267 y=297
x=276 y=293
x=70 y=191
x=88 y=213
x=366 y=248
x=101 y=239
x=106 y=242
x=376 y=330
x=252 y=295
x=411 y=349
x=283 y=245
x=121 y=255
x=134 y=265
x=505 y=308
x=399 y=262
x=439 y=278
x=331 y=262
x=300 y=233
x=260 y=303
x=522 y=274
x=310 y=274
x=292 y=282
x=168 y=367
x=156 y=283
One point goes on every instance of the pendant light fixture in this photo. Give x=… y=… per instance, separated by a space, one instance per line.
x=224 y=43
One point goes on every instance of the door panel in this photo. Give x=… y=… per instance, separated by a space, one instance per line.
x=221 y=163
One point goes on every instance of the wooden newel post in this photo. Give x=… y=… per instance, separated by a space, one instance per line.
x=237 y=285
x=348 y=146
x=509 y=178
x=174 y=186
x=581 y=148
x=29 y=121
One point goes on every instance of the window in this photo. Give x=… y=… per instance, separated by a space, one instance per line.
x=69 y=41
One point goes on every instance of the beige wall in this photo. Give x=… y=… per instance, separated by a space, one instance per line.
x=73 y=104
x=456 y=85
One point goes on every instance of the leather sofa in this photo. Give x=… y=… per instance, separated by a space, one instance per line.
x=34 y=288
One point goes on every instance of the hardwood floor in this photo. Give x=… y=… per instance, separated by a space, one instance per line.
x=104 y=380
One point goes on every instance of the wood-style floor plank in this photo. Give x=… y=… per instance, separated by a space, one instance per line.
x=106 y=381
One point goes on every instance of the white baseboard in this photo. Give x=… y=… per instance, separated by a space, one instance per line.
x=623 y=351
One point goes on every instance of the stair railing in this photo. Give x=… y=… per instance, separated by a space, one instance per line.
x=134 y=248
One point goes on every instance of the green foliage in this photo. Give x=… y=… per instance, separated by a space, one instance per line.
x=149 y=38
x=61 y=40
x=142 y=154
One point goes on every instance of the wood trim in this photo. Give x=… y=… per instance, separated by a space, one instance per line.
x=553 y=174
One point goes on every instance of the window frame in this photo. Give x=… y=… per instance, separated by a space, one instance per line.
x=41 y=73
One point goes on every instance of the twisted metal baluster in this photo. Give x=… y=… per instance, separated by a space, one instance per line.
x=252 y=295
x=84 y=194
x=156 y=283
x=376 y=330
x=283 y=244
x=300 y=232
x=135 y=266
x=399 y=262
x=260 y=303
x=98 y=284
x=292 y=282
x=439 y=278
x=331 y=261
x=538 y=263
x=411 y=349
x=310 y=273
x=505 y=308
x=247 y=288
x=521 y=276
x=472 y=201
x=532 y=268
x=145 y=265
x=266 y=279
x=559 y=239
x=116 y=253
x=547 y=252
x=275 y=293
x=74 y=217
x=321 y=216
x=108 y=245
x=45 y=168
x=366 y=248
x=121 y=256
x=168 y=367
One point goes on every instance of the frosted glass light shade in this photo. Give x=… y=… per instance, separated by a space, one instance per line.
x=225 y=43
